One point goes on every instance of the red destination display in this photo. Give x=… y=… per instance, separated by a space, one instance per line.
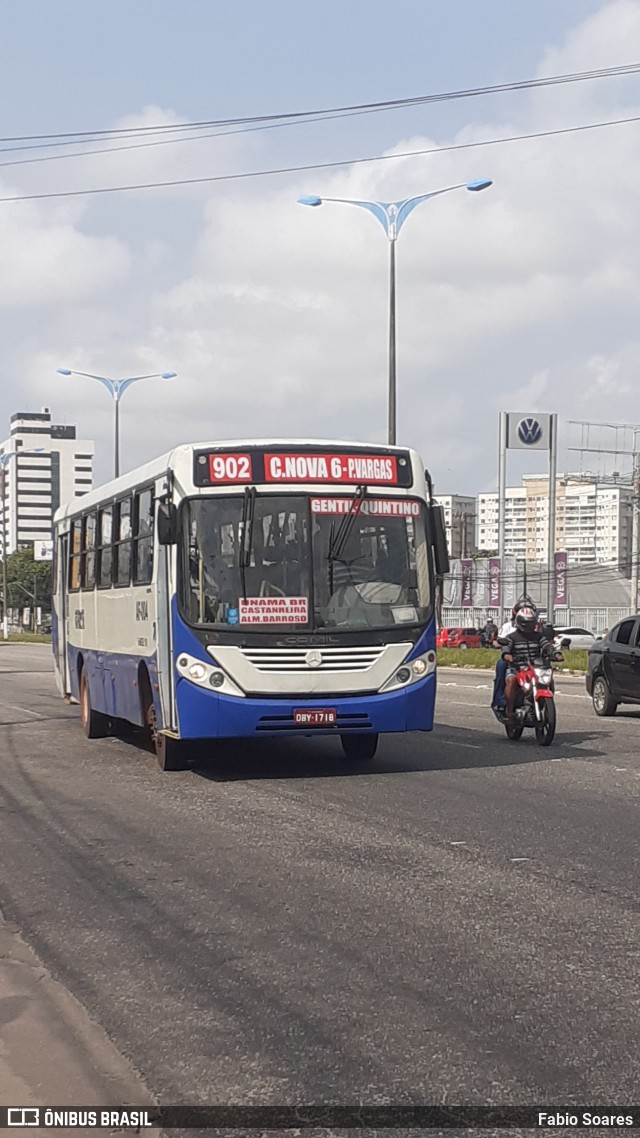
x=346 y=468
x=225 y=468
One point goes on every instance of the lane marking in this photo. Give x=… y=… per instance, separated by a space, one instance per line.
x=457 y=843
x=519 y=859
x=452 y=743
x=25 y=710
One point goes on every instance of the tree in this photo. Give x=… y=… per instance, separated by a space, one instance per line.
x=28 y=581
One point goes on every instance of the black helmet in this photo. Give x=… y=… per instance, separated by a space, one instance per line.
x=526 y=619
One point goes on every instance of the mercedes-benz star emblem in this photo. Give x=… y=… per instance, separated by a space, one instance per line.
x=313 y=659
x=529 y=431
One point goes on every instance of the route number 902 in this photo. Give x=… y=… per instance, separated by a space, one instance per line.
x=230 y=468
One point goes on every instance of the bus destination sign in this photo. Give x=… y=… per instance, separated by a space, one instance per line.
x=353 y=468
x=286 y=467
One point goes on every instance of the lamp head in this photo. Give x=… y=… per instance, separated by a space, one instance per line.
x=63 y=371
x=309 y=199
x=479 y=184
x=168 y=375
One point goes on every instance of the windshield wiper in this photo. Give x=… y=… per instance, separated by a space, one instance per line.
x=246 y=542
x=339 y=539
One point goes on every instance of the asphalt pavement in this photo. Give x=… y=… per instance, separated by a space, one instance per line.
x=456 y=922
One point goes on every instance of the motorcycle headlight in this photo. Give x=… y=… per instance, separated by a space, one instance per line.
x=545 y=675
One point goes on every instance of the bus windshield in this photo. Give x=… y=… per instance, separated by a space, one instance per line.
x=304 y=562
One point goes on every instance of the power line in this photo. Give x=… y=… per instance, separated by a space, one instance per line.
x=617 y=71
x=316 y=165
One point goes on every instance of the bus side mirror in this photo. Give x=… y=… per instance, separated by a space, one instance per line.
x=167 y=523
x=438 y=537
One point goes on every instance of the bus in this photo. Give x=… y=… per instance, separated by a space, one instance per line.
x=249 y=589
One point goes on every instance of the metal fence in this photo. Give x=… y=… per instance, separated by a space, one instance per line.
x=593 y=619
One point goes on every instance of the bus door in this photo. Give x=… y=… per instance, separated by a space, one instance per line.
x=62 y=612
x=164 y=638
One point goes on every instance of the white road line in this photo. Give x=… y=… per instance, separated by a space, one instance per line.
x=24 y=710
x=519 y=859
x=457 y=843
x=452 y=743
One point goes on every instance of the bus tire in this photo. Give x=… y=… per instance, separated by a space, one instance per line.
x=94 y=724
x=359 y=748
x=170 y=753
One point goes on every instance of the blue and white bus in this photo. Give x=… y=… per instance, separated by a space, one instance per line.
x=253 y=588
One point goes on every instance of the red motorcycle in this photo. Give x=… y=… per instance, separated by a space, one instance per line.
x=535 y=703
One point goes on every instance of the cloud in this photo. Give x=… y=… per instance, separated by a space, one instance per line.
x=275 y=316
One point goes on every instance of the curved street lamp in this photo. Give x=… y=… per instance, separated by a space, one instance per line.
x=392 y=216
x=117 y=388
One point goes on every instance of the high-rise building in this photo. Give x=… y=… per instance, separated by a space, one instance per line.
x=593 y=520
x=460 y=523
x=48 y=466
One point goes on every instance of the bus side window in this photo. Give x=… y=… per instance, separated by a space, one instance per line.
x=143 y=544
x=123 y=543
x=75 y=555
x=89 y=552
x=105 y=551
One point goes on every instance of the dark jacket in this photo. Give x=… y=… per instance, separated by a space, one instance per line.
x=526 y=647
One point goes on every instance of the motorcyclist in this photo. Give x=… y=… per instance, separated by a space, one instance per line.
x=498 y=701
x=525 y=645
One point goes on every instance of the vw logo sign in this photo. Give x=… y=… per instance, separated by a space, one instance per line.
x=313 y=659
x=529 y=431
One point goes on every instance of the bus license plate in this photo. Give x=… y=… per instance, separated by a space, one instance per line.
x=321 y=717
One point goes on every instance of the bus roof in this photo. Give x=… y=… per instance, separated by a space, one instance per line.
x=159 y=466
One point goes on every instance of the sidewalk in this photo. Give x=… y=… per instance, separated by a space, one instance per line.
x=51 y=1053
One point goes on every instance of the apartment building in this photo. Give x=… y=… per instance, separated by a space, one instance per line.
x=593 y=520
x=460 y=522
x=47 y=465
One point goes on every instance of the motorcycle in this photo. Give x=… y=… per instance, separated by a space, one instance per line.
x=535 y=705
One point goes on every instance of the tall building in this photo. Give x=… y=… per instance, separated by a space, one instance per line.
x=593 y=520
x=35 y=484
x=460 y=522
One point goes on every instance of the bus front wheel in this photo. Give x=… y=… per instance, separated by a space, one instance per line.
x=359 y=748
x=170 y=752
x=94 y=724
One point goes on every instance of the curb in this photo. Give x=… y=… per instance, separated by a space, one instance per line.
x=51 y=1052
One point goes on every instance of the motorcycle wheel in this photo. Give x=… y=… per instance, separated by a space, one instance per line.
x=514 y=731
x=546 y=727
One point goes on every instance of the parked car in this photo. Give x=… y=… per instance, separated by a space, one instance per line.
x=574 y=638
x=613 y=674
x=458 y=638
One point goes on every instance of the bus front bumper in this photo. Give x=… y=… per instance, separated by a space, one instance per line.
x=204 y=714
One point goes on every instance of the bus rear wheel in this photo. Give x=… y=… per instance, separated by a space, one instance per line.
x=170 y=752
x=359 y=748
x=94 y=724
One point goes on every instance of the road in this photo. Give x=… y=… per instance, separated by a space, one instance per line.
x=458 y=922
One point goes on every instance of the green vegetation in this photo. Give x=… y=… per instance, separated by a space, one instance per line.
x=486 y=658
x=26 y=638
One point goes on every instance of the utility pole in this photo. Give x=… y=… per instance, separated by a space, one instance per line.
x=635 y=530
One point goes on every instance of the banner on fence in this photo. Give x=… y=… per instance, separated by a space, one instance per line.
x=495 y=582
x=467 y=583
x=560 y=596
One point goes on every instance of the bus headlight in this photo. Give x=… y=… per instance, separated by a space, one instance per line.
x=202 y=674
x=411 y=672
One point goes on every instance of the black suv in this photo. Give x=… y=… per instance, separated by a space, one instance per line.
x=613 y=675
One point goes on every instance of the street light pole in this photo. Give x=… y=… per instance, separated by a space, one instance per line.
x=116 y=389
x=392 y=216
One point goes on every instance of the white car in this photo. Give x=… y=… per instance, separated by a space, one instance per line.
x=574 y=638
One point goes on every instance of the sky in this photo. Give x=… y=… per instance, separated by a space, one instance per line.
x=524 y=297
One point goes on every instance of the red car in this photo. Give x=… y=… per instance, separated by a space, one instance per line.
x=458 y=638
